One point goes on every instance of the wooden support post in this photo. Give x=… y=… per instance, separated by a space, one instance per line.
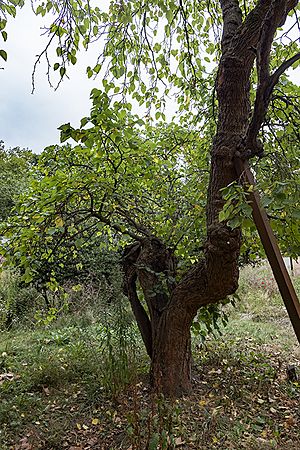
x=269 y=242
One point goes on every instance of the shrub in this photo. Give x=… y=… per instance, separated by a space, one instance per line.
x=15 y=299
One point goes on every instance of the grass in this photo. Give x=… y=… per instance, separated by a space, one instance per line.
x=81 y=383
x=50 y=376
x=261 y=313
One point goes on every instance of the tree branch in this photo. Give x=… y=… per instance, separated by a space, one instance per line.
x=142 y=319
x=248 y=36
x=274 y=78
x=138 y=226
x=129 y=259
x=115 y=226
x=275 y=17
x=232 y=19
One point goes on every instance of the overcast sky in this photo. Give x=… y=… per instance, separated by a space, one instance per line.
x=31 y=120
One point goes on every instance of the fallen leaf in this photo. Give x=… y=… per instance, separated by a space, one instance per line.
x=6 y=376
x=24 y=445
x=290 y=421
x=179 y=441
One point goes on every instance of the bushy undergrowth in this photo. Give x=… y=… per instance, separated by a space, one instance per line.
x=16 y=300
x=89 y=361
x=258 y=278
x=82 y=296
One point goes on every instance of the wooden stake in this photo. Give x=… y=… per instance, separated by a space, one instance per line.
x=269 y=242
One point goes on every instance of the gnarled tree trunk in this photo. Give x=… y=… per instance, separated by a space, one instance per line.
x=165 y=327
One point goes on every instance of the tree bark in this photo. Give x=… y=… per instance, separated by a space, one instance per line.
x=171 y=360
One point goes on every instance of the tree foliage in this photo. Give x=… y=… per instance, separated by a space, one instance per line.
x=15 y=166
x=124 y=180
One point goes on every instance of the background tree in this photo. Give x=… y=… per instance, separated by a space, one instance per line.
x=15 y=165
x=151 y=50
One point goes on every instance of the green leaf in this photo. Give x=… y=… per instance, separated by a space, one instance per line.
x=296 y=214
x=62 y=71
x=2 y=24
x=89 y=72
x=73 y=59
x=28 y=275
x=3 y=55
x=97 y=68
x=235 y=222
x=84 y=121
x=222 y=216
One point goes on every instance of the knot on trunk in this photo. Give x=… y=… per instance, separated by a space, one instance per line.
x=153 y=265
x=250 y=147
x=223 y=241
x=157 y=258
x=222 y=152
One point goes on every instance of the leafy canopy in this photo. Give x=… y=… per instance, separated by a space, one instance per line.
x=147 y=49
x=125 y=179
